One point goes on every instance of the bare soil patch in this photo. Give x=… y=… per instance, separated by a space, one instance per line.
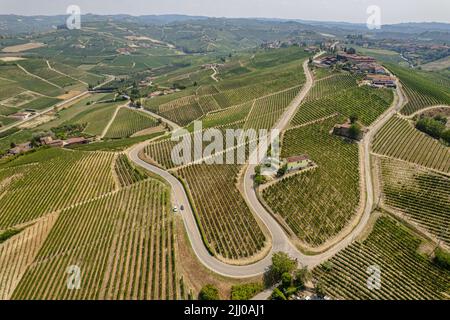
x=11 y=59
x=23 y=47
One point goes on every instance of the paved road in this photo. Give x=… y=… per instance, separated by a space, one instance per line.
x=280 y=241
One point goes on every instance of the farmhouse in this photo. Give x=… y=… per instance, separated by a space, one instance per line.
x=355 y=58
x=21 y=148
x=298 y=163
x=325 y=62
x=50 y=142
x=20 y=115
x=346 y=130
x=377 y=80
x=75 y=141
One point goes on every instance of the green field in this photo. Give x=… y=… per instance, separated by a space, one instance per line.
x=399 y=139
x=264 y=78
x=421 y=91
x=123 y=243
x=229 y=228
x=129 y=122
x=422 y=195
x=319 y=203
x=67 y=174
x=406 y=274
x=340 y=93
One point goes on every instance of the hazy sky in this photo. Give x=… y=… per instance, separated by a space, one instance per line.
x=392 y=11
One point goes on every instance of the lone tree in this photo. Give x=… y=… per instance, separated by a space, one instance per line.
x=209 y=292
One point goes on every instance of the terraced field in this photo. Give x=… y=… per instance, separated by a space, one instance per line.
x=421 y=91
x=129 y=122
x=340 y=93
x=399 y=139
x=227 y=224
x=51 y=180
x=405 y=273
x=319 y=203
x=235 y=89
x=124 y=245
x=421 y=195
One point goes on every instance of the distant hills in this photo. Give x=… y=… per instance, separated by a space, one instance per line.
x=14 y=24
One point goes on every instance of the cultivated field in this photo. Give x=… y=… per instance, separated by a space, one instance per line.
x=399 y=139
x=340 y=93
x=317 y=204
x=129 y=122
x=420 y=195
x=23 y=47
x=227 y=224
x=406 y=274
x=123 y=243
x=50 y=180
x=263 y=79
x=422 y=92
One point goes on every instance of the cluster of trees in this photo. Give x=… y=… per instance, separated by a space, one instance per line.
x=284 y=273
x=67 y=130
x=259 y=179
x=284 y=270
x=434 y=127
x=246 y=291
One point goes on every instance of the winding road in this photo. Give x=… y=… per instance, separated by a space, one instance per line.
x=280 y=241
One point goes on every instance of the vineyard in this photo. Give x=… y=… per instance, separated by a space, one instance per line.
x=40 y=69
x=124 y=245
x=126 y=172
x=422 y=92
x=234 y=90
x=319 y=203
x=230 y=228
x=21 y=82
x=340 y=93
x=19 y=252
x=421 y=195
x=399 y=139
x=266 y=111
x=259 y=114
x=96 y=117
x=406 y=274
x=51 y=180
x=129 y=122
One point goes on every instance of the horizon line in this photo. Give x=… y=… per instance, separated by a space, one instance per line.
x=298 y=20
